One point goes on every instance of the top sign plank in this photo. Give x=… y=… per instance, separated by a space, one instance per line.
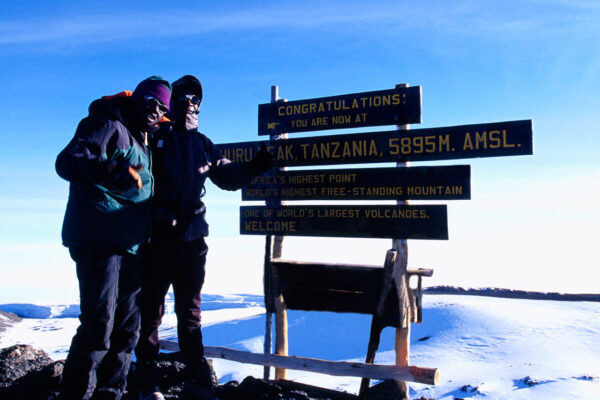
x=384 y=107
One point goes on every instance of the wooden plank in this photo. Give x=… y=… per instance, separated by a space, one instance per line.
x=376 y=108
x=328 y=276
x=378 y=221
x=418 y=183
x=493 y=139
x=309 y=299
x=337 y=368
x=420 y=272
x=344 y=288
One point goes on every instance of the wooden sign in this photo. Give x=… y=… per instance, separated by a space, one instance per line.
x=383 y=107
x=495 y=139
x=378 y=221
x=417 y=183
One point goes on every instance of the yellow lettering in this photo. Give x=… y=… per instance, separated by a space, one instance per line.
x=346 y=151
x=373 y=149
x=357 y=148
x=481 y=138
x=334 y=153
x=504 y=142
x=324 y=150
x=495 y=139
x=468 y=144
x=394 y=148
x=315 y=151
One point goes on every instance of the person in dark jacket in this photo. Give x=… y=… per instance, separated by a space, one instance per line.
x=183 y=159
x=107 y=218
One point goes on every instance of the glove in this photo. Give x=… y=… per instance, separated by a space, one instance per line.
x=123 y=177
x=261 y=163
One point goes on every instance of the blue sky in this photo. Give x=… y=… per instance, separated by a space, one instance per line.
x=476 y=62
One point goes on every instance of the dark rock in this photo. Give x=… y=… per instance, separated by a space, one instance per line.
x=388 y=389
x=469 y=389
x=228 y=391
x=258 y=389
x=295 y=395
x=529 y=381
x=28 y=373
x=194 y=391
x=16 y=361
x=175 y=380
x=313 y=392
x=31 y=374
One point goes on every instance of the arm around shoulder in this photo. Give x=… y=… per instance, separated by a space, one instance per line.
x=84 y=159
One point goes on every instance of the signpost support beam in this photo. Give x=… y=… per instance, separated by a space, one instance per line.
x=268 y=274
x=281 y=338
x=268 y=289
x=402 y=341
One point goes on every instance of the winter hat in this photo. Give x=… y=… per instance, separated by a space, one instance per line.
x=154 y=86
x=187 y=83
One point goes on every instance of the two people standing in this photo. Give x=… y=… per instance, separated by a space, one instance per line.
x=117 y=200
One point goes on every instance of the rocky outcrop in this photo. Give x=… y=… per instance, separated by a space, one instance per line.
x=27 y=373
x=7 y=319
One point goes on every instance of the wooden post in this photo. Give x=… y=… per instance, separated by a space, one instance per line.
x=268 y=289
x=281 y=338
x=281 y=329
x=396 y=279
x=388 y=289
x=402 y=341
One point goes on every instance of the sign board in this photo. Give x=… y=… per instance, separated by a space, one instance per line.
x=378 y=221
x=383 y=107
x=495 y=139
x=415 y=183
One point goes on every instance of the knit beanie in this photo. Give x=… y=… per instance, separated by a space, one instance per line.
x=154 y=86
x=187 y=83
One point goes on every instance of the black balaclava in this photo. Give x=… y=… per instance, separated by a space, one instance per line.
x=187 y=84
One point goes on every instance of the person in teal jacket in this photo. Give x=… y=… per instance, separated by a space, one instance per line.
x=108 y=166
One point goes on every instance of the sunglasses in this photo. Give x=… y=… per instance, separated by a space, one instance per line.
x=190 y=97
x=152 y=101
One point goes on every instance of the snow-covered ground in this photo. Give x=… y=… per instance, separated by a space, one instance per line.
x=484 y=347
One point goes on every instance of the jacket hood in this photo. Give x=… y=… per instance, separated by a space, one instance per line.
x=116 y=107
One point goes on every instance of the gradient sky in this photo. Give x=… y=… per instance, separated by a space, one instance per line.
x=532 y=221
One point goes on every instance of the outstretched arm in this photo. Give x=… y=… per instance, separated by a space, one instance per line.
x=232 y=176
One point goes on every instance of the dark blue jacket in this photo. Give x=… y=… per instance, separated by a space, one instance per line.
x=96 y=215
x=183 y=159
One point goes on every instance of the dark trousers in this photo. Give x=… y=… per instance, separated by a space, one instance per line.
x=101 y=350
x=180 y=264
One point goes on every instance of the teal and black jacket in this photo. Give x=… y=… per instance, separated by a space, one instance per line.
x=95 y=214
